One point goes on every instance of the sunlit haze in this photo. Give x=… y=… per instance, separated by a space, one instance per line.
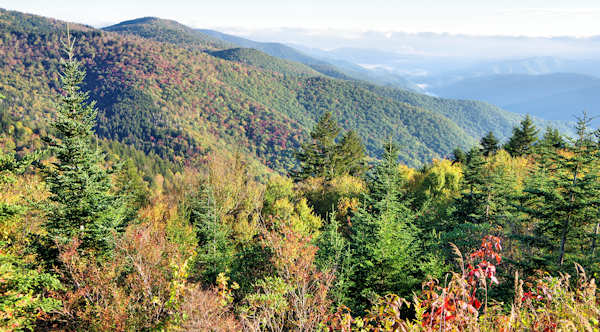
x=473 y=17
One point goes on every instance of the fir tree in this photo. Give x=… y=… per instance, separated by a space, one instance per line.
x=470 y=218
x=565 y=191
x=316 y=157
x=385 y=182
x=459 y=156
x=553 y=138
x=384 y=242
x=350 y=155
x=489 y=144
x=523 y=138
x=324 y=157
x=215 y=251
x=82 y=205
x=334 y=255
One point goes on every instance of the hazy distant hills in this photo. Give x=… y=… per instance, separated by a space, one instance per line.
x=332 y=67
x=169 y=31
x=178 y=93
x=551 y=96
x=280 y=51
x=259 y=59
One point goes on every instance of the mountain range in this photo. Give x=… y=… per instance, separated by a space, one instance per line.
x=551 y=96
x=179 y=93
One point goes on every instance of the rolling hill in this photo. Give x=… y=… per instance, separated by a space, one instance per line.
x=280 y=51
x=169 y=31
x=551 y=96
x=161 y=95
x=262 y=60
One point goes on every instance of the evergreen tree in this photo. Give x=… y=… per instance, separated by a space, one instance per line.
x=564 y=192
x=386 y=252
x=489 y=144
x=350 y=155
x=324 y=157
x=385 y=181
x=334 y=255
x=459 y=156
x=553 y=138
x=215 y=251
x=523 y=138
x=82 y=205
x=316 y=157
x=470 y=219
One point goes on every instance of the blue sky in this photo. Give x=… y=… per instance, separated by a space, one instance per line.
x=476 y=17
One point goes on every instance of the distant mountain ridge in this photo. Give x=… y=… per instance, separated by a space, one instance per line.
x=550 y=96
x=160 y=90
x=280 y=51
x=168 y=31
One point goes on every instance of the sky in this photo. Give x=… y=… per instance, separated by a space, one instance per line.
x=579 y=18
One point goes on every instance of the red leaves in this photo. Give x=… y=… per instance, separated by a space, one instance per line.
x=456 y=305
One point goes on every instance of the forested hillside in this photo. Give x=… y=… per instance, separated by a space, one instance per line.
x=179 y=101
x=132 y=198
x=259 y=59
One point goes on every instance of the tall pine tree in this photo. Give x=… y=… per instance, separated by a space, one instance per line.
x=489 y=144
x=565 y=189
x=82 y=205
x=350 y=155
x=386 y=250
x=324 y=156
x=522 y=139
x=316 y=157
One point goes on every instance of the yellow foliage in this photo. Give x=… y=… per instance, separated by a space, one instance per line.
x=299 y=216
x=237 y=195
x=346 y=185
x=514 y=169
x=441 y=180
x=15 y=232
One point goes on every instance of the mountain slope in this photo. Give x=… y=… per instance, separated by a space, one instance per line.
x=551 y=96
x=180 y=102
x=475 y=118
x=259 y=59
x=280 y=51
x=169 y=31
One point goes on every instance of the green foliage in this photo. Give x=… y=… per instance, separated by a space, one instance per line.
x=215 y=251
x=489 y=144
x=523 y=138
x=261 y=60
x=334 y=255
x=384 y=240
x=565 y=194
x=323 y=156
x=25 y=290
x=82 y=205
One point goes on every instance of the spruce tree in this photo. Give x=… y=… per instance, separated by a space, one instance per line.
x=215 y=251
x=553 y=138
x=316 y=157
x=459 y=156
x=470 y=219
x=334 y=255
x=522 y=139
x=565 y=192
x=350 y=155
x=81 y=203
x=384 y=242
x=489 y=144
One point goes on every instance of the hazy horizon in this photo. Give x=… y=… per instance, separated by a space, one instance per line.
x=531 y=18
